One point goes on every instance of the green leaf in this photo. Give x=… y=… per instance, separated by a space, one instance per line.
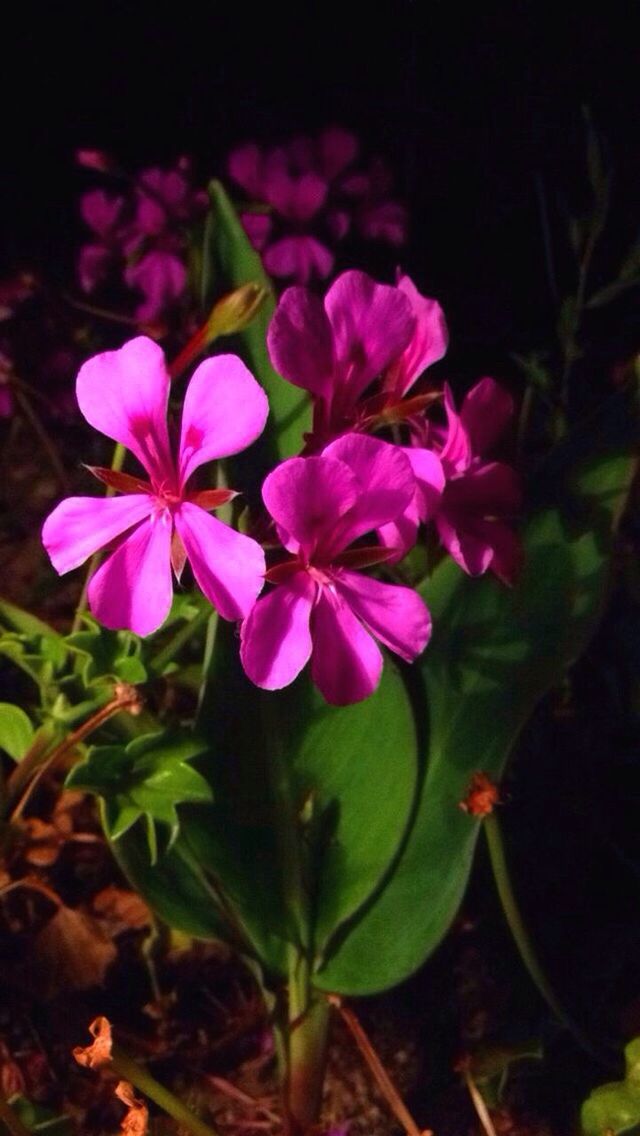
x=615 y=1107
x=148 y=778
x=107 y=654
x=25 y=623
x=238 y=263
x=39 y=1119
x=494 y=653
x=341 y=763
x=16 y=731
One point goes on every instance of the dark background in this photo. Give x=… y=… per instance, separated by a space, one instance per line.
x=480 y=112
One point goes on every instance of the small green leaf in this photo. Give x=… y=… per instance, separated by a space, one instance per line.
x=149 y=777
x=16 y=731
x=615 y=1107
x=103 y=654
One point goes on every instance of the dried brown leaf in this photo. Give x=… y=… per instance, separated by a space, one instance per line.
x=72 y=952
x=123 y=910
x=97 y=1054
x=136 y=1121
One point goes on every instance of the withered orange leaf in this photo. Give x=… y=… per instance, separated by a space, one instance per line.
x=97 y=1054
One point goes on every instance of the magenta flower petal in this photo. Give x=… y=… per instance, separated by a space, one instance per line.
x=258 y=228
x=228 y=566
x=246 y=168
x=346 y=663
x=428 y=343
x=300 y=257
x=386 y=485
x=387 y=222
x=430 y=478
x=306 y=498
x=124 y=395
x=507 y=559
x=338 y=148
x=493 y=489
x=94 y=262
x=456 y=454
x=275 y=637
x=162 y=279
x=485 y=414
x=100 y=211
x=372 y=324
x=397 y=616
x=132 y=589
x=300 y=341
x=402 y=533
x=224 y=411
x=471 y=551
x=79 y=526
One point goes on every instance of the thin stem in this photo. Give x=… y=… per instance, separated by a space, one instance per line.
x=382 y=1078
x=12 y=1120
x=177 y=642
x=126 y=698
x=117 y=462
x=41 y=433
x=478 y=1103
x=142 y=1080
x=520 y=934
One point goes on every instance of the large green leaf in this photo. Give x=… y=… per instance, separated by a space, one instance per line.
x=494 y=654
x=351 y=778
x=236 y=262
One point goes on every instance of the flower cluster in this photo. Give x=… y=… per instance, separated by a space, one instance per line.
x=353 y=500
x=138 y=236
x=307 y=195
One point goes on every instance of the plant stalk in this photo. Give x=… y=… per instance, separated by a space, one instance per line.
x=520 y=934
x=142 y=1080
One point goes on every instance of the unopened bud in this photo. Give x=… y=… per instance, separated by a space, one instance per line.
x=234 y=311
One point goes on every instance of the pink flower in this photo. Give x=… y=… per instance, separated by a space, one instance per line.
x=477 y=497
x=97 y=160
x=322 y=609
x=377 y=216
x=164 y=198
x=103 y=214
x=361 y=332
x=160 y=523
x=162 y=279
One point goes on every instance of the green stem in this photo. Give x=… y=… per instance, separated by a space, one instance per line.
x=520 y=934
x=177 y=642
x=306 y=1027
x=42 y=434
x=142 y=1080
x=11 y=1120
x=117 y=462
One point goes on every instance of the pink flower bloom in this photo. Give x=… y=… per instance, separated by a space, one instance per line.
x=97 y=160
x=102 y=213
x=162 y=279
x=299 y=257
x=164 y=198
x=363 y=331
x=377 y=216
x=477 y=497
x=160 y=523
x=322 y=609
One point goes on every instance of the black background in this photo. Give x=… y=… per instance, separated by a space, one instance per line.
x=480 y=112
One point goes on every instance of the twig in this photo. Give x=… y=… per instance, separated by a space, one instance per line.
x=383 y=1080
x=126 y=698
x=11 y=1120
x=478 y=1102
